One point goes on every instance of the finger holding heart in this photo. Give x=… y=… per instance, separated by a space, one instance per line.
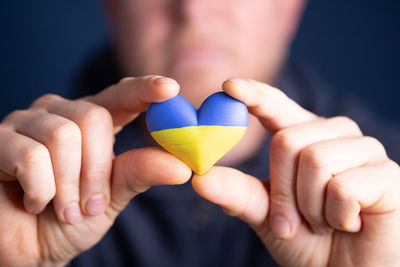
x=293 y=129
x=331 y=189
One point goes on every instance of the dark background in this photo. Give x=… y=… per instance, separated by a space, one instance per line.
x=352 y=44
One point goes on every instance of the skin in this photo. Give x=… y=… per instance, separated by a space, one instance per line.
x=331 y=189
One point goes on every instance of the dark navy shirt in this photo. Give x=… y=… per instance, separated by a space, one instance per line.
x=172 y=225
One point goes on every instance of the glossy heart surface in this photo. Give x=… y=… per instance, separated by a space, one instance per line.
x=198 y=137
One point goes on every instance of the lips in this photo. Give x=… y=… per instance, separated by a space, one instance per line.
x=198 y=55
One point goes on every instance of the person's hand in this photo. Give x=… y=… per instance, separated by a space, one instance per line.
x=333 y=197
x=61 y=151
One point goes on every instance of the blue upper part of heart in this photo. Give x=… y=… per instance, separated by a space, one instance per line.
x=218 y=109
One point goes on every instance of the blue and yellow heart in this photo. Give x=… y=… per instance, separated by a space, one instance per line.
x=198 y=137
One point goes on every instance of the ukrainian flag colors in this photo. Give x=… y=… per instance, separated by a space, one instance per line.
x=200 y=147
x=199 y=138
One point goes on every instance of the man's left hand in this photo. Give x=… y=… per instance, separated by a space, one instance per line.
x=333 y=194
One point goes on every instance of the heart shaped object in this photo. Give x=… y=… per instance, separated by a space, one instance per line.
x=198 y=137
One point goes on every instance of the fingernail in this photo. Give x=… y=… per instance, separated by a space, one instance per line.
x=164 y=80
x=96 y=204
x=72 y=213
x=280 y=227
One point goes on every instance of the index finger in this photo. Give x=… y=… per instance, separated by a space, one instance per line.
x=273 y=108
x=131 y=96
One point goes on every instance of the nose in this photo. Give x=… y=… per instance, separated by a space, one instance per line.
x=191 y=11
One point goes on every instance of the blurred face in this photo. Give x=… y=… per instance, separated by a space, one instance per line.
x=201 y=43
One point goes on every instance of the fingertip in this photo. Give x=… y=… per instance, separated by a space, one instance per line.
x=284 y=218
x=237 y=193
x=152 y=88
x=182 y=173
x=210 y=184
x=174 y=171
x=281 y=227
x=224 y=186
x=354 y=226
x=197 y=183
x=137 y=170
x=241 y=89
x=163 y=88
x=33 y=206
x=68 y=211
x=158 y=164
x=232 y=86
x=284 y=225
x=72 y=213
x=96 y=204
x=235 y=82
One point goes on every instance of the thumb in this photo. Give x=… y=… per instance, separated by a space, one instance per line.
x=137 y=170
x=237 y=193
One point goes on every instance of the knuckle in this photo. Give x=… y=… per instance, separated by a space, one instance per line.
x=342 y=119
x=314 y=158
x=45 y=99
x=41 y=196
x=392 y=167
x=338 y=191
x=95 y=175
x=279 y=93
x=375 y=142
x=348 y=122
x=95 y=114
x=65 y=132
x=15 y=115
x=391 y=171
x=33 y=155
x=3 y=129
x=67 y=189
x=259 y=92
x=282 y=198
x=285 y=140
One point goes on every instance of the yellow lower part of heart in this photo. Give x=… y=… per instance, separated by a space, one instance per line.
x=200 y=147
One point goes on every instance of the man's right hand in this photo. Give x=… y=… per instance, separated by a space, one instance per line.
x=61 y=187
